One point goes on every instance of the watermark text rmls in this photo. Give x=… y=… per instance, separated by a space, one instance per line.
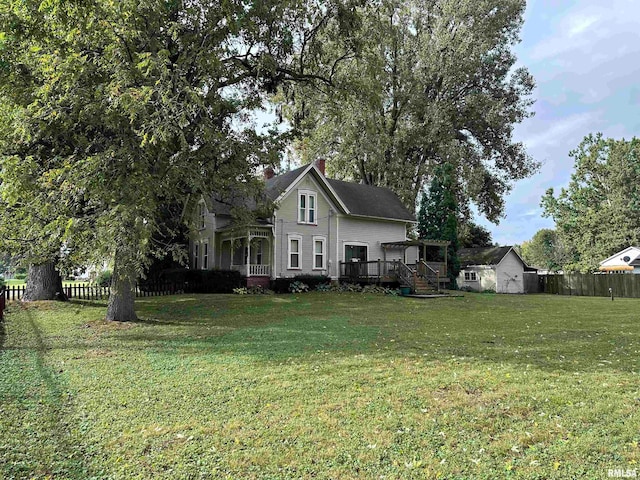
x=622 y=473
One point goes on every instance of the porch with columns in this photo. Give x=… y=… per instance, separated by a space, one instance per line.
x=249 y=254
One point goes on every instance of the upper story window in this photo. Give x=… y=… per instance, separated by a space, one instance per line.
x=307 y=207
x=202 y=211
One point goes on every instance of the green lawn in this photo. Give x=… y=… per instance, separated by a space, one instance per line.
x=322 y=386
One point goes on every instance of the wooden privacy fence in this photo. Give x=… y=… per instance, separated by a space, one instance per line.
x=591 y=285
x=97 y=292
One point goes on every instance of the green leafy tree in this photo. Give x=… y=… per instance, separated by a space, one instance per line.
x=432 y=81
x=546 y=250
x=134 y=105
x=438 y=216
x=599 y=212
x=473 y=235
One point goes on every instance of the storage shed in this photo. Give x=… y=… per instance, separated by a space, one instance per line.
x=499 y=269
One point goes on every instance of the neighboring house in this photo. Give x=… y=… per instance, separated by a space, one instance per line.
x=500 y=269
x=625 y=261
x=319 y=226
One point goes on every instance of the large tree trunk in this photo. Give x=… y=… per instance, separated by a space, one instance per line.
x=121 y=306
x=43 y=283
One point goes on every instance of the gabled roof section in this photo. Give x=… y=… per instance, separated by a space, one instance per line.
x=353 y=198
x=276 y=186
x=370 y=201
x=482 y=255
x=618 y=258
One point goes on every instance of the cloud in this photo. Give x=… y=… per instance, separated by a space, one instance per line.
x=580 y=24
x=560 y=130
x=586 y=27
x=532 y=213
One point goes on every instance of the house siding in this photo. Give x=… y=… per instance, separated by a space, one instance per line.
x=202 y=236
x=510 y=274
x=287 y=224
x=373 y=233
x=485 y=274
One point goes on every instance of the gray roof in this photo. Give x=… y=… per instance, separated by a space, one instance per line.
x=482 y=255
x=371 y=201
x=365 y=200
x=278 y=184
x=222 y=205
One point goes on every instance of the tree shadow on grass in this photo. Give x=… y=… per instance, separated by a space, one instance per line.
x=542 y=333
x=53 y=410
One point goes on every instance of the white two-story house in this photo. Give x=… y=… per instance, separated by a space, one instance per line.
x=320 y=226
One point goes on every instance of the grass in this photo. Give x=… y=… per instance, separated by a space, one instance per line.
x=322 y=386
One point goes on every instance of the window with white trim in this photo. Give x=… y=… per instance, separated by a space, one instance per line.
x=307 y=202
x=319 y=253
x=205 y=255
x=295 y=251
x=470 y=277
x=196 y=251
x=202 y=212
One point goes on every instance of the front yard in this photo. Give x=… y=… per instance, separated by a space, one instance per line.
x=322 y=386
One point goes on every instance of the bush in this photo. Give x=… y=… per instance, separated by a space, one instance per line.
x=255 y=290
x=103 y=279
x=354 y=287
x=20 y=276
x=199 y=281
x=282 y=285
x=298 y=287
x=2 y=284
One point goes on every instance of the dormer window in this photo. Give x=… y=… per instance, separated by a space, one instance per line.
x=307 y=207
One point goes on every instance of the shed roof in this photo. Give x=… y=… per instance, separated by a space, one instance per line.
x=482 y=255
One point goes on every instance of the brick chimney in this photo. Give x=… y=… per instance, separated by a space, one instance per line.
x=269 y=173
x=320 y=165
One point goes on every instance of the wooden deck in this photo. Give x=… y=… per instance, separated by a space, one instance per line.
x=394 y=271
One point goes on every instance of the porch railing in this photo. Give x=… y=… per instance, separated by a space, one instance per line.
x=260 y=270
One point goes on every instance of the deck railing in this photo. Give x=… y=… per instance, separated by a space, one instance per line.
x=376 y=270
x=430 y=274
x=407 y=276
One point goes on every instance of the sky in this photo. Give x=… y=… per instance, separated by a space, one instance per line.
x=585 y=58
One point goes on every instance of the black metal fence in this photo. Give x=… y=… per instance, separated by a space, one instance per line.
x=96 y=292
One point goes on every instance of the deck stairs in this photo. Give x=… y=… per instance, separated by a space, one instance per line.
x=421 y=278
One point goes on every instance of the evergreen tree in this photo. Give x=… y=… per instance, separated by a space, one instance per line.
x=438 y=215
